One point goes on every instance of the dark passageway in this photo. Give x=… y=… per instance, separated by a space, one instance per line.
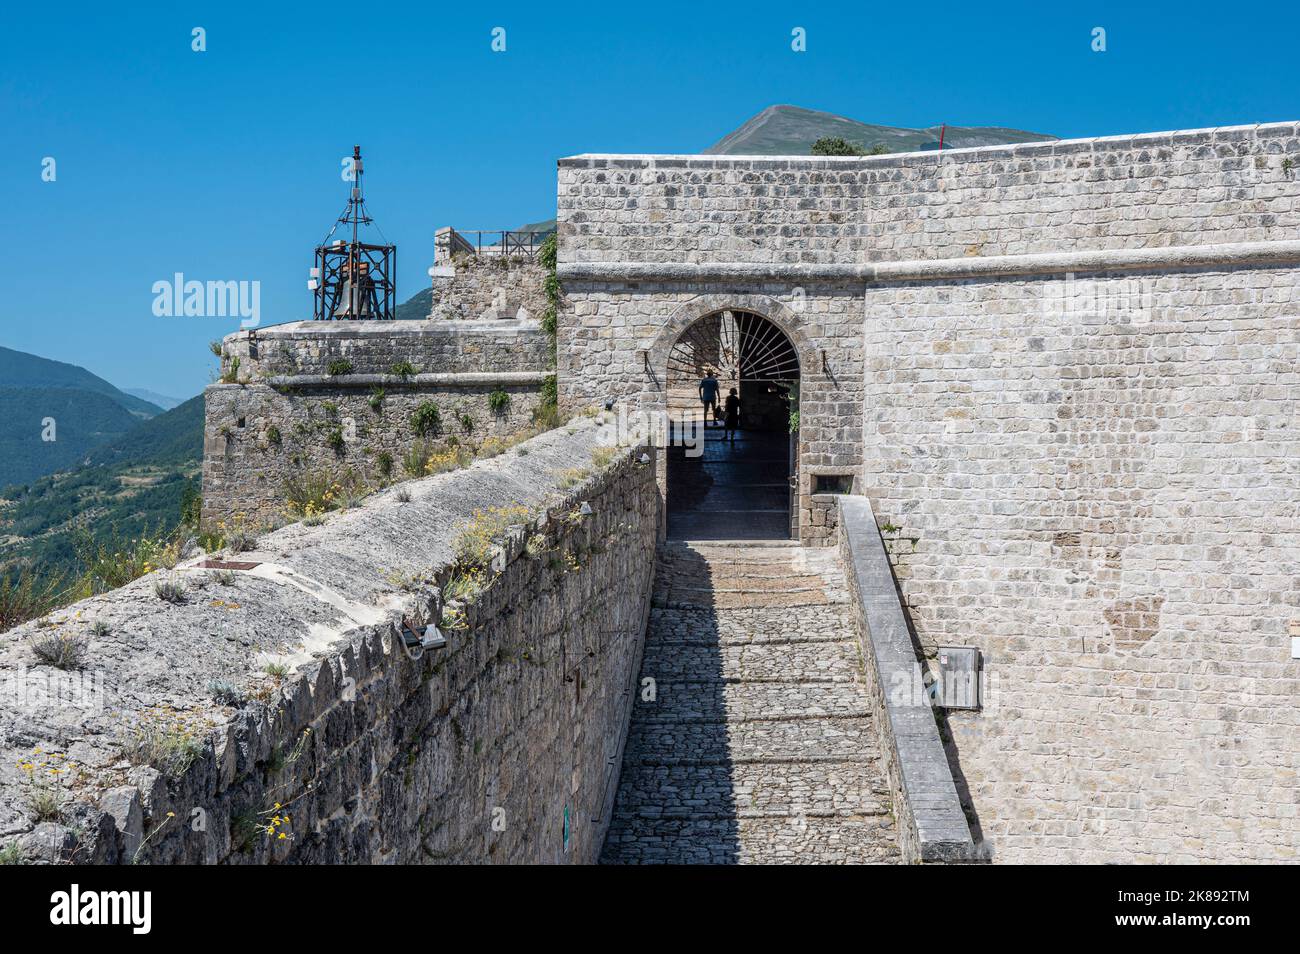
x=733 y=491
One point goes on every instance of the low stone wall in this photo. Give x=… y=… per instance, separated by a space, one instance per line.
x=500 y=747
x=288 y=415
x=257 y=437
x=373 y=347
x=931 y=825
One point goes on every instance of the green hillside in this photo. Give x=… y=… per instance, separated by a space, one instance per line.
x=133 y=485
x=42 y=399
x=172 y=439
x=415 y=308
x=78 y=420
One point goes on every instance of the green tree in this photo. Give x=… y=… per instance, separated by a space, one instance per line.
x=836 y=146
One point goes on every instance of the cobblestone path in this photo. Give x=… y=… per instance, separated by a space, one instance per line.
x=758 y=746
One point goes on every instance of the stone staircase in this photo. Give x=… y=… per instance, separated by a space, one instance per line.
x=758 y=746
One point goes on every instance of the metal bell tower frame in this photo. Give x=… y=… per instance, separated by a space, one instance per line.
x=354 y=280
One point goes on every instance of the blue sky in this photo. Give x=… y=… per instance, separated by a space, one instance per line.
x=224 y=165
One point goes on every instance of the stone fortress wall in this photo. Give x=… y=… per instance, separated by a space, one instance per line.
x=284 y=413
x=1065 y=374
x=502 y=746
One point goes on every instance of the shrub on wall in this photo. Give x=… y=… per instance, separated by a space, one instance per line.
x=499 y=401
x=546 y=257
x=547 y=413
x=310 y=493
x=339 y=366
x=426 y=419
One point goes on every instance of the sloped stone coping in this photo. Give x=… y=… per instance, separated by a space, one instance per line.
x=931 y=825
x=1018 y=150
x=310 y=330
x=371 y=708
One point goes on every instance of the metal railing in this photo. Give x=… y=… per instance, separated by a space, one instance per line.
x=488 y=242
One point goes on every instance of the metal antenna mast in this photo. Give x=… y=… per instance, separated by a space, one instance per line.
x=354 y=280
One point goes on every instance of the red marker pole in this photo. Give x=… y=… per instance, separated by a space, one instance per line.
x=942 y=129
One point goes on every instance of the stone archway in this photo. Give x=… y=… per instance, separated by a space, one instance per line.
x=790 y=322
x=722 y=483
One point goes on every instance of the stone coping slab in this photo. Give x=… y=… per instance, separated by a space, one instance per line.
x=932 y=825
x=1223 y=134
x=452 y=379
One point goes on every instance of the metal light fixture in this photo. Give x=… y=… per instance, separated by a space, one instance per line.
x=421 y=637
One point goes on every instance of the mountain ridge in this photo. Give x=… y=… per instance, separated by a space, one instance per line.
x=785 y=130
x=19 y=369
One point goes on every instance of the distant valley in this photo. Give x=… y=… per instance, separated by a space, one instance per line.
x=75 y=451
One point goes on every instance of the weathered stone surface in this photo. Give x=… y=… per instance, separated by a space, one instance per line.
x=475 y=752
x=488 y=287
x=1065 y=375
x=288 y=416
x=748 y=743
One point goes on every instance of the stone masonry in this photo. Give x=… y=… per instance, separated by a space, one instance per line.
x=487 y=288
x=1065 y=374
x=284 y=414
x=751 y=741
x=500 y=747
x=1105 y=504
x=649 y=244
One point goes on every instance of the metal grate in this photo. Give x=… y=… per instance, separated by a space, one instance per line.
x=228 y=565
x=736 y=346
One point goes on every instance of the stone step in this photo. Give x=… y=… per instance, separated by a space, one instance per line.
x=774 y=741
x=794 y=840
x=719 y=572
x=745 y=701
x=786 y=662
x=697 y=624
x=755 y=789
x=760 y=746
x=683 y=598
x=787 y=583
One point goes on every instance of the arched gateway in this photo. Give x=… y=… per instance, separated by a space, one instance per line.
x=724 y=485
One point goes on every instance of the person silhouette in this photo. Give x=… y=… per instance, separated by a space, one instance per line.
x=732 y=419
x=709 y=394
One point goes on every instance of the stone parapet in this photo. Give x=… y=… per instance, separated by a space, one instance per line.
x=501 y=746
x=374 y=347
